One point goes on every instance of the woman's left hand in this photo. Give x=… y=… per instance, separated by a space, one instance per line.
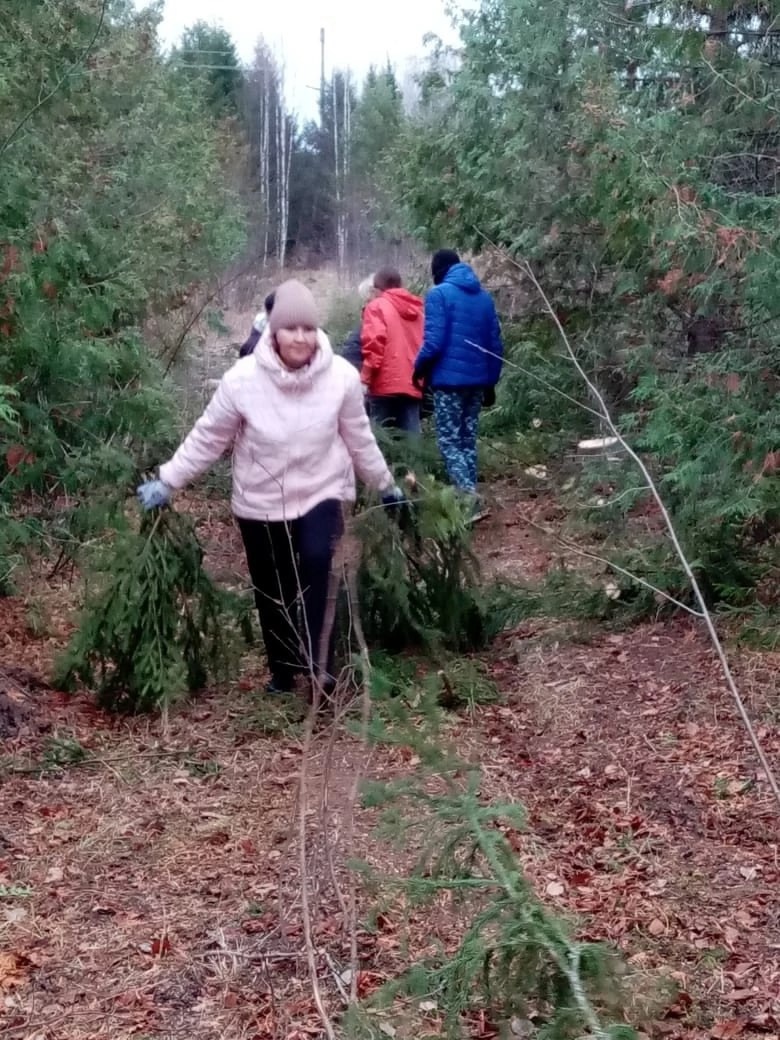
x=393 y=497
x=153 y=494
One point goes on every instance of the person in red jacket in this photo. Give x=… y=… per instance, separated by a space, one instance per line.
x=390 y=336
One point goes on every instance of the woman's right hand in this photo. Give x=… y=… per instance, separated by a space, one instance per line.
x=153 y=494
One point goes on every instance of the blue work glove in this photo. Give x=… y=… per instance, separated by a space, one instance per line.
x=153 y=494
x=398 y=506
x=393 y=497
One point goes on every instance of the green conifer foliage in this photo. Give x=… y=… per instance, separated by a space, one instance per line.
x=155 y=626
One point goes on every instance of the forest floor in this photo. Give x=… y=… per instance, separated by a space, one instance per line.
x=150 y=870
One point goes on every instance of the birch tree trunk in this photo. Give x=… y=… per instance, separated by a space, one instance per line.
x=288 y=131
x=265 y=180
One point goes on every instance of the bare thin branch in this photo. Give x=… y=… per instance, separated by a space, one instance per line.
x=573 y=547
x=311 y=953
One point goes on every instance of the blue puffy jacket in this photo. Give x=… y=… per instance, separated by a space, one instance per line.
x=460 y=318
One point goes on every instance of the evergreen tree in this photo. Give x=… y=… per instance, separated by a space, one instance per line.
x=378 y=120
x=211 y=55
x=320 y=172
x=112 y=202
x=630 y=154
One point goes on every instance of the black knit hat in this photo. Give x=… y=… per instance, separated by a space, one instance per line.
x=442 y=261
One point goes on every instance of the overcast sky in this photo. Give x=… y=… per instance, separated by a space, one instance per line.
x=358 y=33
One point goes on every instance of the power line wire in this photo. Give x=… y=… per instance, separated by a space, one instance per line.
x=214 y=68
x=198 y=50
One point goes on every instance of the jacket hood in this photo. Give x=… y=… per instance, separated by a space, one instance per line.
x=266 y=357
x=462 y=277
x=407 y=304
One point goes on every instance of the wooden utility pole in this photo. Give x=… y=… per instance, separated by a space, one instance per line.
x=322 y=77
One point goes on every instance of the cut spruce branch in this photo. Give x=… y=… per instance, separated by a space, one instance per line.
x=515 y=956
x=419 y=580
x=606 y=416
x=156 y=626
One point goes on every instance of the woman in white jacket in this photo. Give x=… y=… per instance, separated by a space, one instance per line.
x=294 y=413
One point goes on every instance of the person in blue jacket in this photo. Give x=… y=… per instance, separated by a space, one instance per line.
x=460 y=359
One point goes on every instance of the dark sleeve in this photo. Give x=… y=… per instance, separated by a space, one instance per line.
x=352 y=351
x=435 y=330
x=250 y=343
x=496 y=358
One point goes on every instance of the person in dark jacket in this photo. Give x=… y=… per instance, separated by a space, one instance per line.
x=352 y=351
x=352 y=348
x=461 y=360
x=258 y=325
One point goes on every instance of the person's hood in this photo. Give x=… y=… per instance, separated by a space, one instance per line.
x=266 y=357
x=463 y=277
x=407 y=304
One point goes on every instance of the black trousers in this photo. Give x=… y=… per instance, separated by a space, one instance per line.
x=396 y=412
x=290 y=564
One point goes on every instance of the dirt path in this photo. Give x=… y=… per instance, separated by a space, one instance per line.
x=148 y=875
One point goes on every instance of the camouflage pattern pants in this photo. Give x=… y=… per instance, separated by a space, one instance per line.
x=457 y=424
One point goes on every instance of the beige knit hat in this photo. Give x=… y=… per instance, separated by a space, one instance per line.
x=294 y=305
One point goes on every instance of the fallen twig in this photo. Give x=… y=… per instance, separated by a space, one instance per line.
x=336 y=977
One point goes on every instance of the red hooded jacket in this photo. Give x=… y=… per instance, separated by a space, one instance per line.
x=391 y=336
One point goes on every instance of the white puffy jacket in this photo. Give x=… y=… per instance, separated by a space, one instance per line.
x=298 y=437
